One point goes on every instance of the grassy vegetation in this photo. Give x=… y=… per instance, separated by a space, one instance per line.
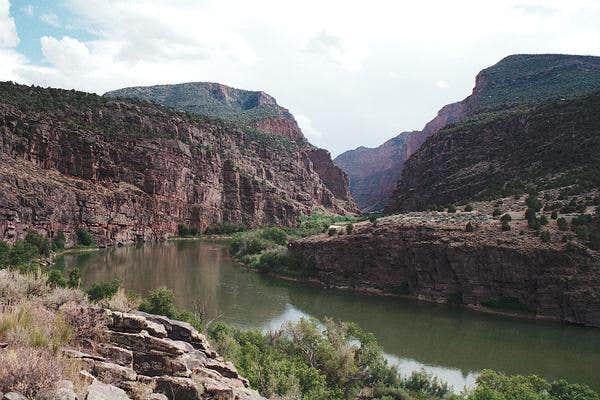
x=506 y=303
x=265 y=249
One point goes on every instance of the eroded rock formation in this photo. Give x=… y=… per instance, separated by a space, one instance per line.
x=432 y=257
x=134 y=171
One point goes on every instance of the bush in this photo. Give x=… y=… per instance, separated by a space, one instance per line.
x=56 y=278
x=506 y=218
x=59 y=242
x=84 y=238
x=373 y=219
x=102 y=290
x=451 y=209
x=4 y=254
x=533 y=203
x=22 y=253
x=505 y=225
x=468 y=208
x=332 y=231
x=554 y=214
x=275 y=235
x=469 y=227
x=545 y=236
x=543 y=220
x=38 y=241
x=160 y=301
x=496 y=212
x=185 y=231
x=562 y=224
x=349 y=229
x=505 y=303
x=74 y=278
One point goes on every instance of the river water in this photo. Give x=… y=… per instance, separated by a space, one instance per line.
x=452 y=343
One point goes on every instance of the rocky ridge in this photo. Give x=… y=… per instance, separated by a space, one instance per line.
x=431 y=256
x=130 y=171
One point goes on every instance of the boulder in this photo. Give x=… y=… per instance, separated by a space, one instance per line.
x=102 y=391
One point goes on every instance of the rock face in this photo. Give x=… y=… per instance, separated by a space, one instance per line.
x=516 y=80
x=256 y=109
x=555 y=145
x=374 y=172
x=431 y=257
x=128 y=171
x=166 y=358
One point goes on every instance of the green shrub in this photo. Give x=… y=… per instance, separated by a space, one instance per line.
x=349 y=229
x=554 y=214
x=373 y=219
x=22 y=253
x=4 y=254
x=332 y=231
x=451 y=209
x=74 y=278
x=506 y=217
x=470 y=227
x=468 y=208
x=59 y=242
x=505 y=225
x=38 y=241
x=533 y=203
x=186 y=231
x=160 y=301
x=103 y=290
x=496 y=212
x=562 y=224
x=545 y=236
x=275 y=235
x=497 y=386
x=56 y=278
x=84 y=238
x=543 y=220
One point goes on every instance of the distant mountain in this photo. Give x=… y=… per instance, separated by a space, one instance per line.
x=369 y=168
x=515 y=81
x=250 y=108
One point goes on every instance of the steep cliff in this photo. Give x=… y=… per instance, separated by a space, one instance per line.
x=432 y=257
x=517 y=80
x=131 y=171
x=373 y=172
x=555 y=145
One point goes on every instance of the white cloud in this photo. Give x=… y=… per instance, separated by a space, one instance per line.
x=27 y=10
x=68 y=55
x=50 y=19
x=8 y=31
x=442 y=84
x=350 y=67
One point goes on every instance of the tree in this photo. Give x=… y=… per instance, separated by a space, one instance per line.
x=496 y=212
x=59 y=242
x=84 y=238
x=160 y=301
x=562 y=224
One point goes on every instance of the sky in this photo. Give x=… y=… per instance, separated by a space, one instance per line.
x=354 y=73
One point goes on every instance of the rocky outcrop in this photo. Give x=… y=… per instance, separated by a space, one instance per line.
x=252 y=108
x=430 y=256
x=517 y=80
x=135 y=171
x=549 y=146
x=148 y=356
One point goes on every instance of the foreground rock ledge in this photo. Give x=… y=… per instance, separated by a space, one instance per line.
x=148 y=356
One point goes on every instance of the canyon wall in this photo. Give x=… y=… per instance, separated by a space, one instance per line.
x=135 y=171
x=431 y=258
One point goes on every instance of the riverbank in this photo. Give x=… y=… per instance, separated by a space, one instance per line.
x=467 y=259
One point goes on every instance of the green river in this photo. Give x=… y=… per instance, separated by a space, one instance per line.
x=452 y=343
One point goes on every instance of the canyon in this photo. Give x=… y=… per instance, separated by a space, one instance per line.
x=515 y=81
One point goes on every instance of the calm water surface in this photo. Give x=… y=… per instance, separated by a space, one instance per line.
x=449 y=342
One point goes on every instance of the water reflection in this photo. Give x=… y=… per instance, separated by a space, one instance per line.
x=449 y=342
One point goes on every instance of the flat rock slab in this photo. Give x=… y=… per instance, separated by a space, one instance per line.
x=102 y=391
